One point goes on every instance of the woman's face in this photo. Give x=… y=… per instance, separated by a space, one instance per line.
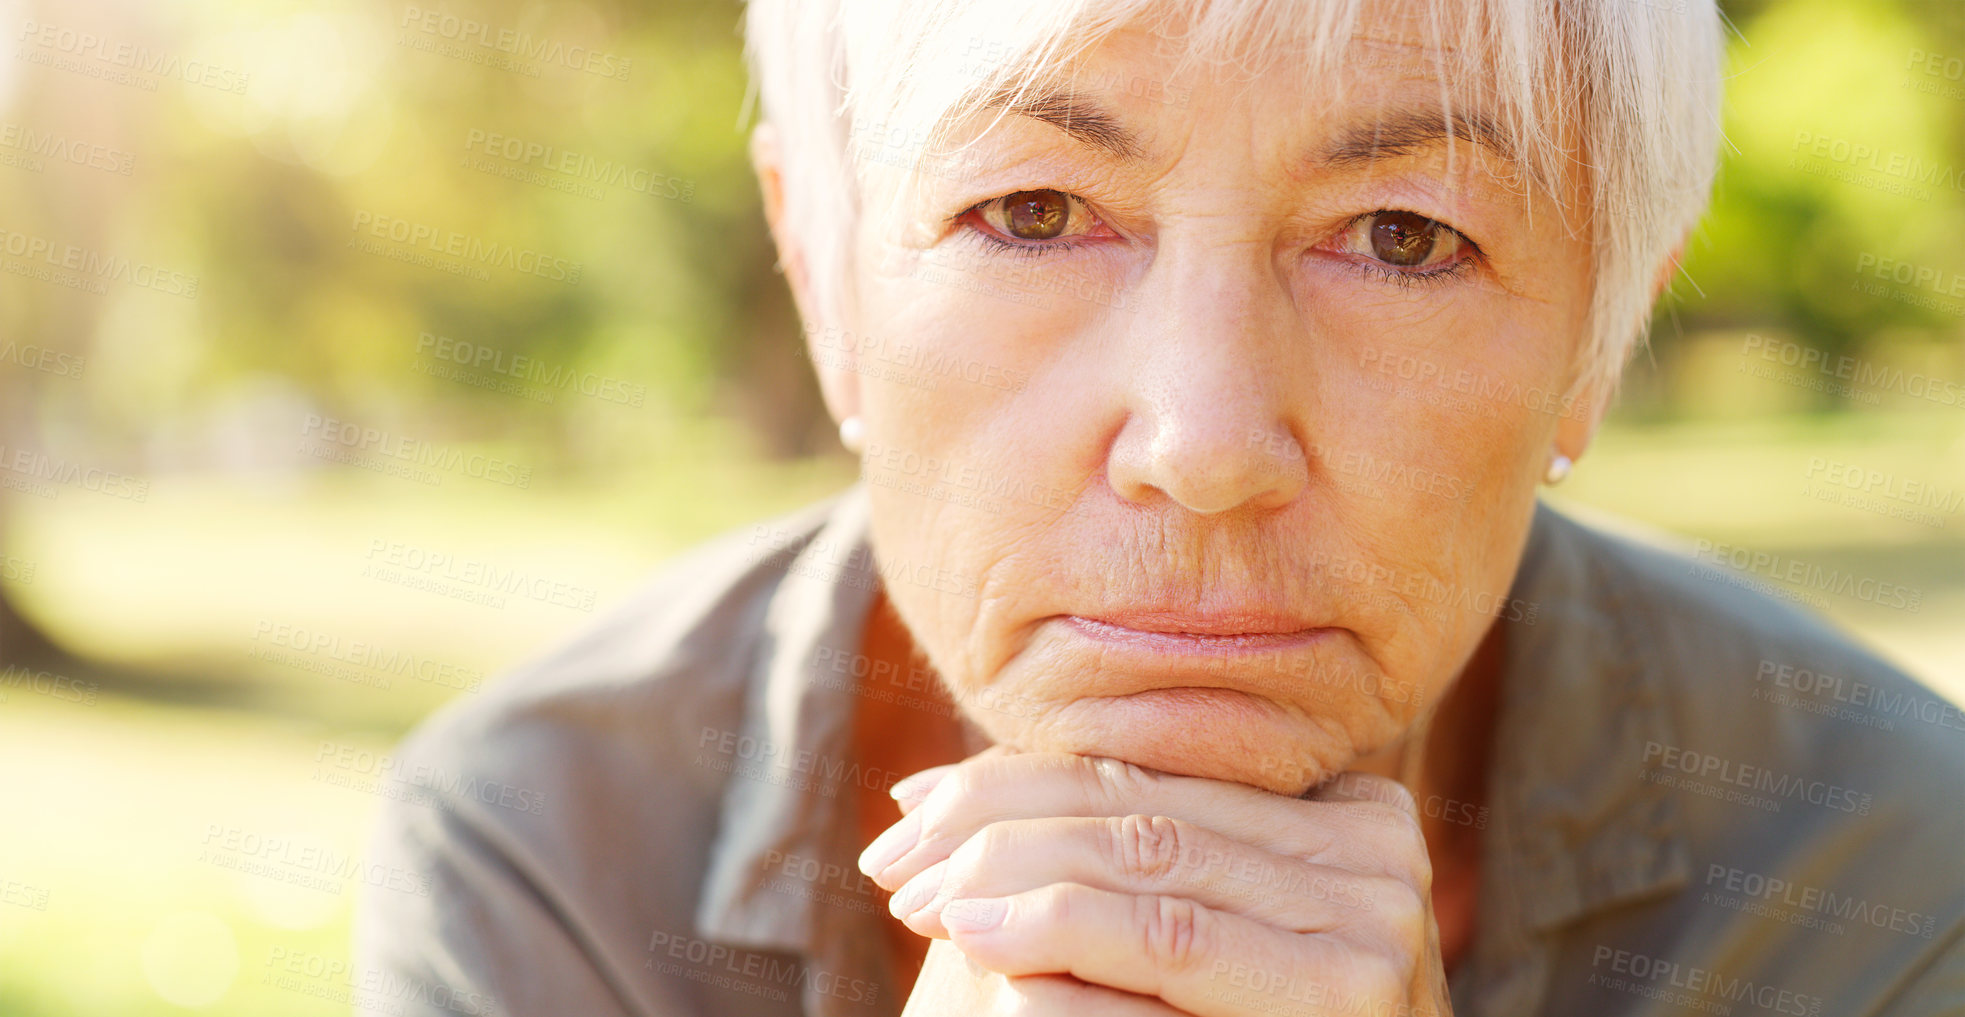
x=1204 y=419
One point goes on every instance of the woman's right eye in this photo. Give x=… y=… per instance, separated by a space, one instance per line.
x=1039 y=216
x=1405 y=240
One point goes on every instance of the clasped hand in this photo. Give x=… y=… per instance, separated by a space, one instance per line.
x=1057 y=884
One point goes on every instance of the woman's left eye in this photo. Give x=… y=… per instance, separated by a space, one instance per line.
x=1037 y=217
x=1405 y=241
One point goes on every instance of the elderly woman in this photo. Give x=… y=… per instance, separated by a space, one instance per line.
x=1203 y=360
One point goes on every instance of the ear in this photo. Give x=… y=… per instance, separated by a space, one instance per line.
x=828 y=346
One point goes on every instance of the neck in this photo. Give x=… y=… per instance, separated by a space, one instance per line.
x=1443 y=761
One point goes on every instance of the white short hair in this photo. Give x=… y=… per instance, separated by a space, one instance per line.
x=839 y=79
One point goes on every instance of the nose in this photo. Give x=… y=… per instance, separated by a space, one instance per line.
x=1211 y=422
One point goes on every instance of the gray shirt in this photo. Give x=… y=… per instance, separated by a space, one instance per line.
x=1701 y=801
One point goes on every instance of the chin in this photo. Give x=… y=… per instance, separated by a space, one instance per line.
x=1213 y=733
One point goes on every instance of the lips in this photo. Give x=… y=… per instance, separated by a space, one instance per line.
x=1186 y=633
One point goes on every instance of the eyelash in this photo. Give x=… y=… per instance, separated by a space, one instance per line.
x=1428 y=277
x=1018 y=248
x=1367 y=268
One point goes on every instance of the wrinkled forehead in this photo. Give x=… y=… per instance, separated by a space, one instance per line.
x=1488 y=71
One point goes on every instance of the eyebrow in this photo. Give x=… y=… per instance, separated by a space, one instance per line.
x=1391 y=135
x=1078 y=116
x=1405 y=132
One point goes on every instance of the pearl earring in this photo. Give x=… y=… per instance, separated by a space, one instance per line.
x=1558 y=469
x=853 y=435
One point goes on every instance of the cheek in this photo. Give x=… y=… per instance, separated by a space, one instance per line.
x=975 y=446
x=957 y=576
x=1431 y=432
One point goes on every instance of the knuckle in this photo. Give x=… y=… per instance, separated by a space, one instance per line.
x=1379 y=978
x=1118 y=782
x=984 y=849
x=1146 y=848
x=1419 y=871
x=958 y=795
x=1401 y=912
x=1398 y=796
x=1409 y=862
x=1175 y=932
x=1397 y=817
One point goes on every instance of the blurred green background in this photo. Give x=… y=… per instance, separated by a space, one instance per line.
x=200 y=298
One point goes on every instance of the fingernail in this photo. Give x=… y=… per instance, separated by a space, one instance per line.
x=918 y=893
x=888 y=848
x=974 y=915
x=918 y=785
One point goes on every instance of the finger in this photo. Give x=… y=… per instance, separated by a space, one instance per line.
x=1140 y=854
x=951 y=984
x=911 y=790
x=1201 y=961
x=1363 y=836
x=1065 y=996
x=1358 y=786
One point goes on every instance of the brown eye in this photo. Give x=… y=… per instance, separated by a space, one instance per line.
x=1036 y=215
x=1403 y=238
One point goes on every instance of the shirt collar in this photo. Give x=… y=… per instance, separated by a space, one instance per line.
x=790 y=790
x=1575 y=829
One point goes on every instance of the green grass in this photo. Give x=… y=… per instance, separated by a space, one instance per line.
x=113 y=805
